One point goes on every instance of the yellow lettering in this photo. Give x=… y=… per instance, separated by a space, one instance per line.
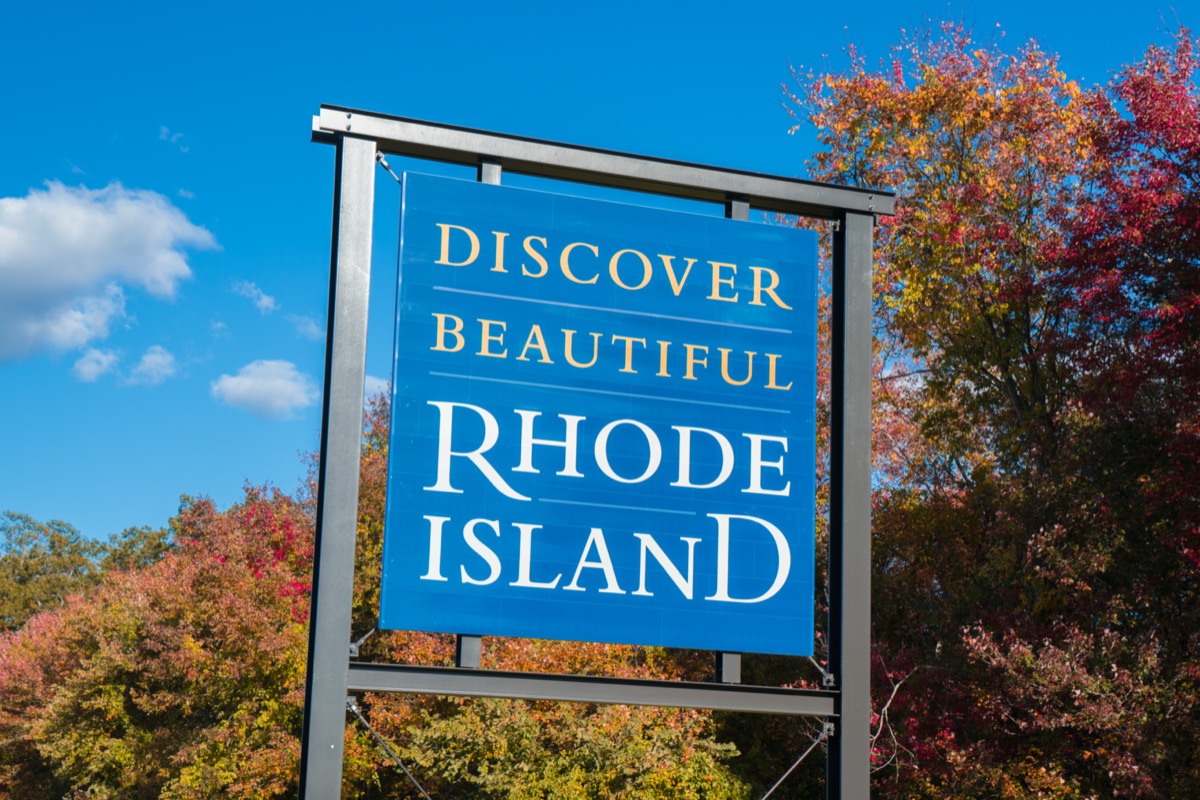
x=442 y=332
x=565 y=265
x=445 y=256
x=500 y=237
x=718 y=281
x=535 y=341
x=676 y=283
x=725 y=351
x=692 y=361
x=628 y=340
x=662 y=359
x=769 y=288
x=568 y=336
x=536 y=256
x=616 y=275
x=486 y=338
x=771 y=359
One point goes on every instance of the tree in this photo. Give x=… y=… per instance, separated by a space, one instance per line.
x=40 y=564
x=179 y=674
x=1032 y=555
x=181 y=679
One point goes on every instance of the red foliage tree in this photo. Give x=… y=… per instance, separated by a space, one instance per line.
x=1036 y=583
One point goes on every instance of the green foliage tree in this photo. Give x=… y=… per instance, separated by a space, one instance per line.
x=135 y=548
x=40 y=564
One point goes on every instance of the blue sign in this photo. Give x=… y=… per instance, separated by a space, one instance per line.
x=602 y=423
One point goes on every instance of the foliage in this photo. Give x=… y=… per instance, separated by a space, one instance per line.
x=40 y=564
x=1036 y=301
x=181 y=679
x=135 y=548
x=43 y=562
x=517 y=750
x=179 y=674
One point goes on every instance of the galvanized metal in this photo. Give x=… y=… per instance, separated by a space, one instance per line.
x=337 y=476
x=468 y=651
x=729 y=668
x=521 y=154
x=729 y=665
x=587 y=689
x=849 y=754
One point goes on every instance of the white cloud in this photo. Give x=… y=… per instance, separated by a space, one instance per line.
x=93 y=364
x=270 y=389
x=67 y=254
x=307 y=327
x=68 y=326
x=264 y=302
x=186 y=195
x=156 y=365
x=373 y=386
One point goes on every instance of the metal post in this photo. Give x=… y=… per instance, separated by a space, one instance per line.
x=337 y=479
x=489 y=172
x=468 y=649
x=729 y=665
x=849 y=760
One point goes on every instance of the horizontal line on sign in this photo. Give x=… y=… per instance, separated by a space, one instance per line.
x=605 y=391
x=611 y=310
x=611 y=505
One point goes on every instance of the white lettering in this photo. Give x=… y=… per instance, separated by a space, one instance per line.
x=526 y=556
x=569 y=444
x=596 y=539
x=757 y=464
x=781 y=548
x=685 y=458
x=483 y=550
x=491 y=432
x=434 y=573
x=683 y=584
x=602 y=451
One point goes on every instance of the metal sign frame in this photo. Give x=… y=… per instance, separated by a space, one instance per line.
x=359 y=136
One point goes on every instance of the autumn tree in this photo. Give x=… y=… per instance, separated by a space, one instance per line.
x=1032 y=556
x=181 y=679
x=180 y=674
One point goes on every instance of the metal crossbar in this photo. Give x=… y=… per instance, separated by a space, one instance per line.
x=589 y=689
x=457 y=145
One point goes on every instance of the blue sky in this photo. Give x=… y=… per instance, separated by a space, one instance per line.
x=165 y=221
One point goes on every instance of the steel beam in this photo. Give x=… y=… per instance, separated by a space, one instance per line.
x=337 y=476
x=588 y=689
x=849 y=754
x=570 y=162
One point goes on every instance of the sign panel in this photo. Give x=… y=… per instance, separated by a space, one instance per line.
x=602 y=423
